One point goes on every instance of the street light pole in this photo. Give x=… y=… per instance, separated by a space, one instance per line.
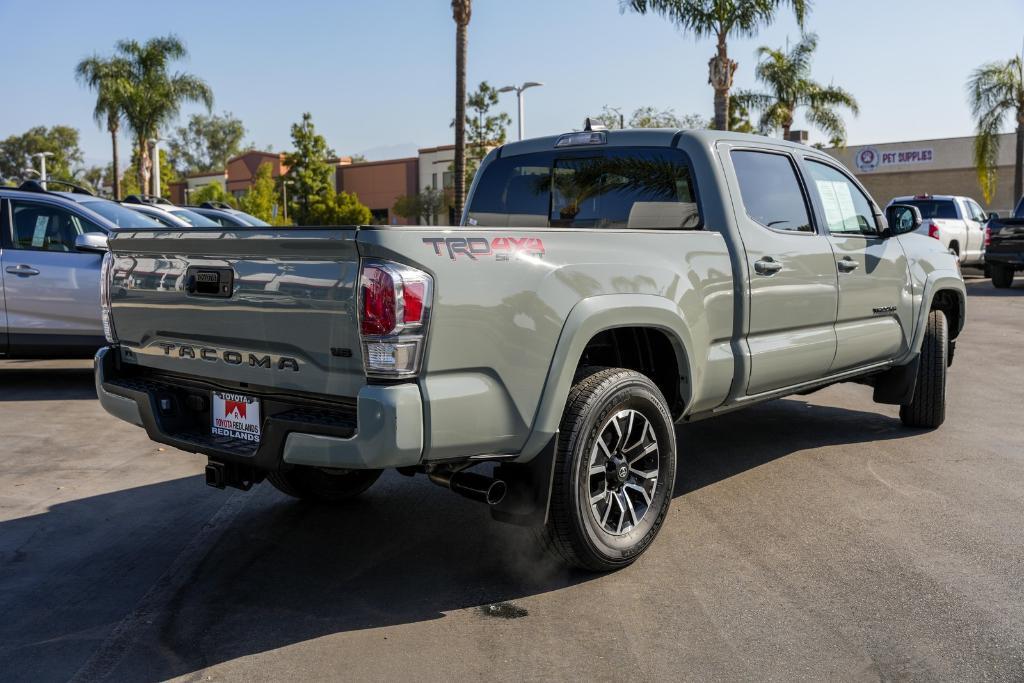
x=42 y=165
x=518 y=90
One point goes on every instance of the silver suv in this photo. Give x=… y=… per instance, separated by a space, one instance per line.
x=51 y=248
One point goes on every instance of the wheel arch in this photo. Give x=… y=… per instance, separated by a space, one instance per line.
x=599 y=315
x=944 y=290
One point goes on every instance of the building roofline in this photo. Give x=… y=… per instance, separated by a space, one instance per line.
x=910 y=142
x=439 y=148
x=276 y=155
x=378 y=162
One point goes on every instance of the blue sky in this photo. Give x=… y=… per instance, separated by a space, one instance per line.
x=377 y=76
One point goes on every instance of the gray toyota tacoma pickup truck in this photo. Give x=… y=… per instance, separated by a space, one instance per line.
x=601 y=288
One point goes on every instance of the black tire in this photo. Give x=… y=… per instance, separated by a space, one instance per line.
x=322 y=485
x=1002 y=276
x=928 y=407
x=574 y=534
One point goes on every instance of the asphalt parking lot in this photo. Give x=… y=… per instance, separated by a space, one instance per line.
x=810 y=538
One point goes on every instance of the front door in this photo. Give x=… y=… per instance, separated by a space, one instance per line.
x=50 y=289
x=792 y=273
x=876 y=306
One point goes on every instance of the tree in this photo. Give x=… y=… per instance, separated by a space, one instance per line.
x=206 y=142
x=720 y=19
x=995 y=91
x=308 y=168
x=461 y=12
x=94 y=177
x=357 y=158
x=262 y=198
x=739 y=118
x=648 y=117
x=61 y=141
x=110 y=79
x=130 y=183
x=425 y=206
x=483 y=129
x=154 y=95
x=787 y=76
x=211 y=192
x=336 y=208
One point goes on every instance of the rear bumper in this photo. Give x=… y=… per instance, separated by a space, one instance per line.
x=383 y=429
x=1006 y=258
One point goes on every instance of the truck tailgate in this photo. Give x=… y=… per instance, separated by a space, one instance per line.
x=271 y=308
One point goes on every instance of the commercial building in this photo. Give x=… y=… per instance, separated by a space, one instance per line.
x=379 y=184
x=937 y=166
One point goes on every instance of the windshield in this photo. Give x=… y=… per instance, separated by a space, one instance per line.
x=934 y=208
x=120 y=216
x=251 y=220
x=194 y=219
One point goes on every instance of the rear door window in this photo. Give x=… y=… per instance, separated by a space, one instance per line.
x=770 y=190
x=609 y=188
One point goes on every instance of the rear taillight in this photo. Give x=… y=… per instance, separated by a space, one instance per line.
x=933 y=230
x=394 y=307
x=988 y=236
x=106 y=273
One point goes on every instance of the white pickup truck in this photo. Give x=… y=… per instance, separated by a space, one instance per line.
x=957 y=222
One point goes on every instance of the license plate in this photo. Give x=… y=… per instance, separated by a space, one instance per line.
x=236 y=416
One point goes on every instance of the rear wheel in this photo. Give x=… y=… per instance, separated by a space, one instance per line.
x=614 y=470
x=928 y=407
x=1002 y=275
x=321 y=484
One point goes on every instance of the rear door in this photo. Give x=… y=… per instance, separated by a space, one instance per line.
x=793 y=289
x=51 y=290
x=875 y=314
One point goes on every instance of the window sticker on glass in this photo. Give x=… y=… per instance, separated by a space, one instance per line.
x=840 y=212
x=39 y=234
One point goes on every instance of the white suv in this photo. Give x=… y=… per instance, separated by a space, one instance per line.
x=957 y=222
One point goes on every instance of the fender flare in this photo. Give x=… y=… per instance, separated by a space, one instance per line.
x=937 y=281
x=587 y=318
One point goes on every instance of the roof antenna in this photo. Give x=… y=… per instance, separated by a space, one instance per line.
x=589 y=125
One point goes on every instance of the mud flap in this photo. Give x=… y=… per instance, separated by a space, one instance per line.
x=896 y=386
x=529 y=488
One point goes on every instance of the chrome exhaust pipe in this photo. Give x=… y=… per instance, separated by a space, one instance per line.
x=471 y=485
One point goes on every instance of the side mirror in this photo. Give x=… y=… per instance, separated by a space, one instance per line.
x=993 y=216
x=95 y=242
x=902 y=218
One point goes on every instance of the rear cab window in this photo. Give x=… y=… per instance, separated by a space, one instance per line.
x=935 y=208
x=624 y=188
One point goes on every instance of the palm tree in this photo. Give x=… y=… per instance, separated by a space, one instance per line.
x=461 y=12
x=155 y=95
x=788 y=78
x=109 y=78
x=720 y=19
x=994 y=91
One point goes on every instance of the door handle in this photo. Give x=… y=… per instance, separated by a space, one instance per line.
x=767 y=266
x=22 y=269
x=848 y=265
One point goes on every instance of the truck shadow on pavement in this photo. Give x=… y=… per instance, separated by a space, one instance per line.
x=86 y=584
x=985 y=288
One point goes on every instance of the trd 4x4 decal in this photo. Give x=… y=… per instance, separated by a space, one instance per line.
x=501 y=248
